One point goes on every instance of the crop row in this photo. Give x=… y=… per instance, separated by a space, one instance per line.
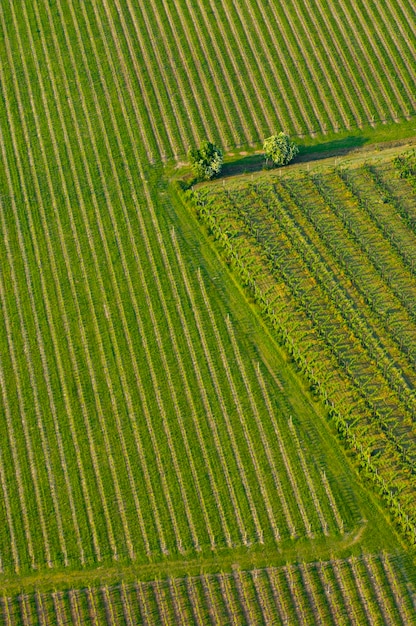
x=238 y=71
x=301 y=67
x=134 y=425
x=334 y=273
x=366 y=590
x=352 y=62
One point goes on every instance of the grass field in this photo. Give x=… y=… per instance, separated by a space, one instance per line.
x=151 y=426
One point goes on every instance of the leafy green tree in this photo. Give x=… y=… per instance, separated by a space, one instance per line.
x=279 y=149
x=206 y=161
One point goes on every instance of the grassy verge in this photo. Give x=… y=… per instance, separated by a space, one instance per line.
x=362 y=141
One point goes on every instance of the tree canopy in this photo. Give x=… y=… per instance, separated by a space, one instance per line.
x=279 y=149
x=206 y=161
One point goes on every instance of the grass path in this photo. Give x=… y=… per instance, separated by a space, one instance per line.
x=243 y=165
x=223 y=560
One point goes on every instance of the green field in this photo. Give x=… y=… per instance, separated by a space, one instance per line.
x=355 y=590
x=330 y=255
x=165 y=452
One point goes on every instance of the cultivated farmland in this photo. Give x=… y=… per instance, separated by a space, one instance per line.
x=160 y=459
x=330 y=257
x=366 y=590
x=238 y=70
x=305 y=67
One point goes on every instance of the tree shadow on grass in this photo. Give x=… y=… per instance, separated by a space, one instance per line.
x=255 y=162
x=336 y=147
